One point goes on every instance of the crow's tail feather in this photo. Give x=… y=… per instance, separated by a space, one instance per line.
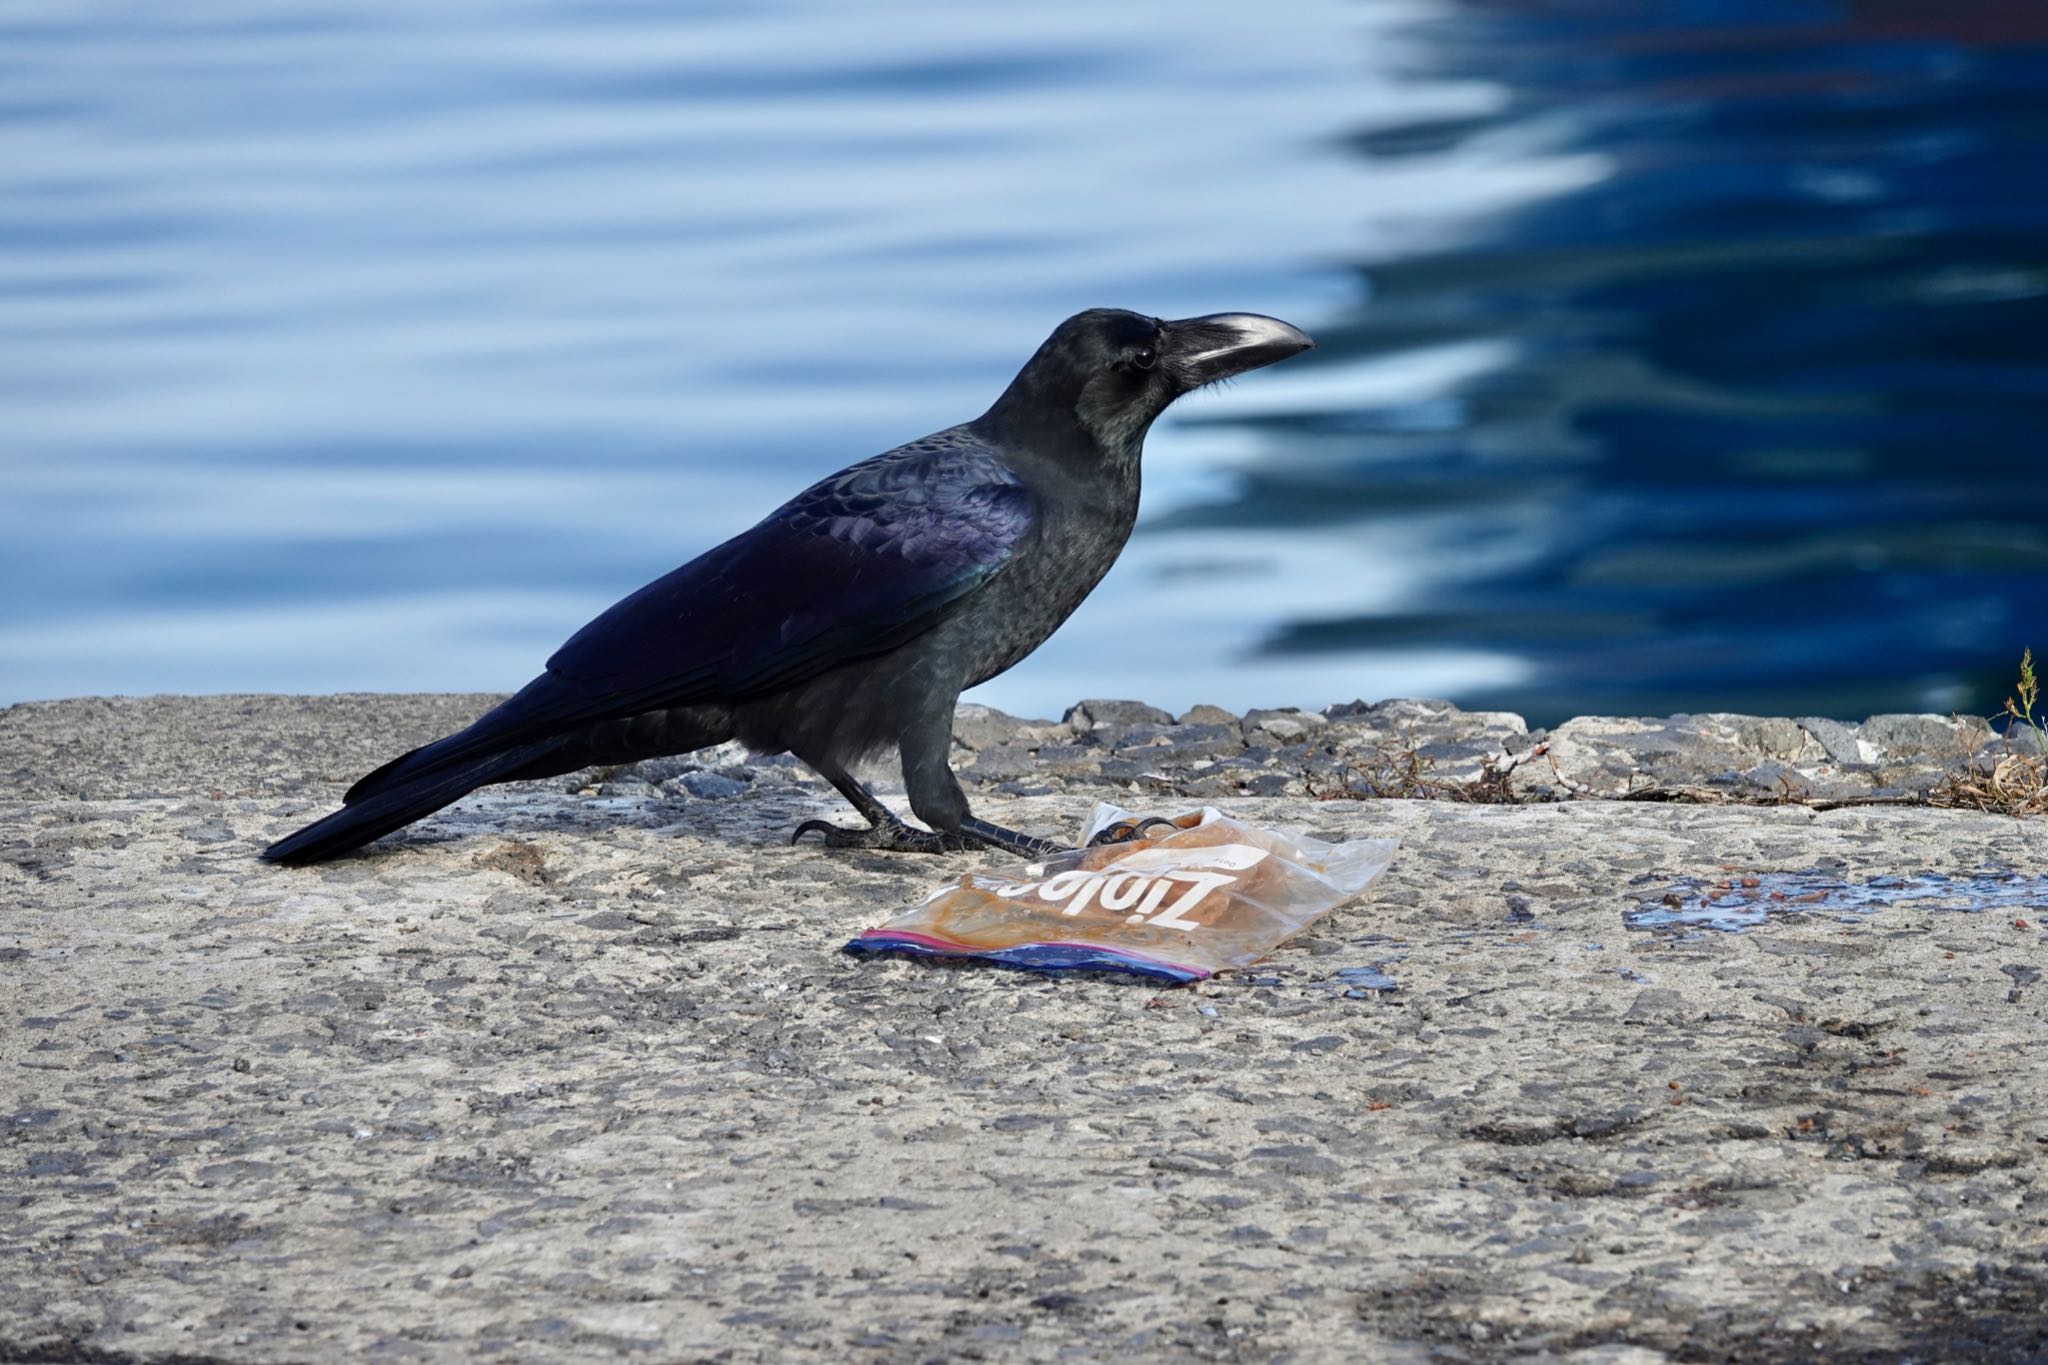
x=397 y=804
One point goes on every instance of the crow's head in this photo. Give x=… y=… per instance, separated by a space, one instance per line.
x=1107 y=373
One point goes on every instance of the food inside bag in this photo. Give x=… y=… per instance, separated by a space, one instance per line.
x=1190 y=897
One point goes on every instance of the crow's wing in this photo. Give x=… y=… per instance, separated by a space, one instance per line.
x=854 y=566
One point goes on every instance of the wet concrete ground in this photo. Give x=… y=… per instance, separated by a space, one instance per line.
x=564 y=1076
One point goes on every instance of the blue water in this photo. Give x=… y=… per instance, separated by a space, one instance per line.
x=1674 y=356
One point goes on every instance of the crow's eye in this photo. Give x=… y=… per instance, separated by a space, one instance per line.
x=1144 y=357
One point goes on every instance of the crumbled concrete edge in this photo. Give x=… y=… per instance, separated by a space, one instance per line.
x=87 y=748
x=1422 y=748
x=1411 y=748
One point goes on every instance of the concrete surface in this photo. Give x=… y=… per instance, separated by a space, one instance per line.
x=575 y=1070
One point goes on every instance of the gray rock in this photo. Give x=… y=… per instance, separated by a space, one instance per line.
x=2014 y=739
x=1841 y=742
x=1096 y=714
x=1766 y=778
x=1181 y=744
x=1286 y=726
x=1943 y=737
x=977 y=727
x=657 y=771
x=710 y=786
x=1208 y=715
x=1074 y=759
x=1144 y=737
x=1772 y=736
x=1001 y=763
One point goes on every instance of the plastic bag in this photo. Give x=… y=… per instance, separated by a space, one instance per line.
x=1209 y=894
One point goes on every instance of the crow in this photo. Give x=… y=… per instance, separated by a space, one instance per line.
x=849 y=621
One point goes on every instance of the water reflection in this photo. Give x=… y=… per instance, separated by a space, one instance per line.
x=378 y=346
x=1754 y=416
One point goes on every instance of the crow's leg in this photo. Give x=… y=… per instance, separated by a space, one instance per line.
x=936 y=798
x=884 y=830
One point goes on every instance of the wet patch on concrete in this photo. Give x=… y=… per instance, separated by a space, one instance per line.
x=1742 y=901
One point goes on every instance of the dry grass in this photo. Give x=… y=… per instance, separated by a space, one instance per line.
x=1399 y=770
x=2011 y=782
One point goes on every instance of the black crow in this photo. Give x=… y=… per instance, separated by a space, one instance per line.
x=849 y=621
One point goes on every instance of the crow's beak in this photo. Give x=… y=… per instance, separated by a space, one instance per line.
x=1204 y=350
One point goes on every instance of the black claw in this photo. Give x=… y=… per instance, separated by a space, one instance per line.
x=1124 y=831
x=891 y=837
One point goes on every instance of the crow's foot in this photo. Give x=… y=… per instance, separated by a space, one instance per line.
x=891 y=836
x=1124 y=831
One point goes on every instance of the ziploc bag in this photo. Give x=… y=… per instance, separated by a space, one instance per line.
x=1210 y=894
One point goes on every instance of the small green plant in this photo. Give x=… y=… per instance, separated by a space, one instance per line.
x=2020 y=708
